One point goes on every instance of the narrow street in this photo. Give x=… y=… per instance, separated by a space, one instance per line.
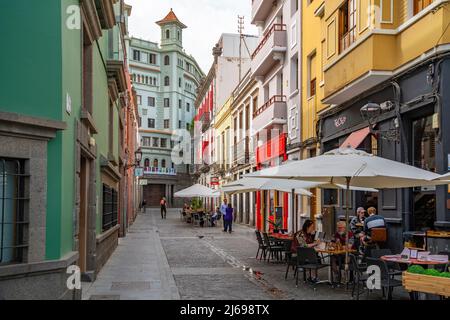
x=169 y=259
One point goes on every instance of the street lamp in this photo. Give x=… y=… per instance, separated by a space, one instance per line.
x=138 y=157
x=372 y=111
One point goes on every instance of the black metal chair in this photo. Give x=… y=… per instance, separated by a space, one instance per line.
x=272 y=248
x=290 y=258
x=261 y=246
x=359 y=275
x=196 y=219
x=307 y=259
x=388 y=282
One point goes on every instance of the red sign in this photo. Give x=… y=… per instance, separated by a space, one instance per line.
x=214 y=181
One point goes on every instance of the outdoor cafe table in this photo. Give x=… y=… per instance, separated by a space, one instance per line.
x=330 y=253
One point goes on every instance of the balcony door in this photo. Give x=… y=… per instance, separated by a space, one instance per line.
x=419 y=5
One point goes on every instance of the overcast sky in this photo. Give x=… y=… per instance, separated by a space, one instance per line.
x=206 y=21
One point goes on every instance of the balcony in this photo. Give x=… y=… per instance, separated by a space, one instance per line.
x=270 y=51
x=347 y=75
x=272 y=112
x=261 y=10
x=272 y=149
x=241 y=152
x=159 y=171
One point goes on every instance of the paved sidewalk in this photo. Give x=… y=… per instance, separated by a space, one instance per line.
x=170 y=259
x=138 y=269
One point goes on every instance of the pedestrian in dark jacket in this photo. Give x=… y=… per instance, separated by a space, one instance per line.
x=228 y=219
x=163 y=208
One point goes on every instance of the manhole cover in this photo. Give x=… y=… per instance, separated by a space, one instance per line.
x=130 y=285
x=105 y=297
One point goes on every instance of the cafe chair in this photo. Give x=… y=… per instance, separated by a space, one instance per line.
x=359 y=275
x=196 y=220
x=273 y=249
x=388 y=282
x=261 y=246
x=307 y=259
x=289 y=257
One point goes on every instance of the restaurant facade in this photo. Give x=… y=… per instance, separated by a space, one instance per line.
x=406 y=118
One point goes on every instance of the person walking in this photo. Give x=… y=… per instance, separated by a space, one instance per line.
x=144 y=205
x=163 y=208
x=228 y=219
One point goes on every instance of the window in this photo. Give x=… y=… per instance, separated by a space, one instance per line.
x=167 y=34
x=178 y=35
x=180 y=104
x=134 y=77
x=156 y=142
x=166 y=60
x=146 y=80
x=188 y=107
x=166 y=103
x=167 y=81
x=144 y=112
x=163 y=143
x=12 y=204
x=179 y=83
x=147 y=162
x=151 y=123
x=419 y=5
x=139 y=78
x=155 y=163
x=347 y=25
x=146 y=141
x=110 y=208
x=152 y=58
x=294 y=35
x=139 y=100
x=172 y=144
x=111 y=129
x=151 y=101
x=179 y=124
x=136 y=55
x=188 y=127
x=166 y=124
x=312 y=88
x=87 y=75
x=312 y=76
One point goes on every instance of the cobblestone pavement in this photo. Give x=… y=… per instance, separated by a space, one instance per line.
x=170 y=259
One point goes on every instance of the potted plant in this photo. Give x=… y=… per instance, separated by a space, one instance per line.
x=276 y=226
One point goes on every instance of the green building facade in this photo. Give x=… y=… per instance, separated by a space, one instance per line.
x=63 y=88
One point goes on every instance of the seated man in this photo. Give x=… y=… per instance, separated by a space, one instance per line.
x=215 y=217
x=374 y=221
x=340 y=237
x=357 y=226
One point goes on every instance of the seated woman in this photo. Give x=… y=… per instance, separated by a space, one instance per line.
x=340 y=239
x=305 y=238
x=189 y=211
x=215 y=217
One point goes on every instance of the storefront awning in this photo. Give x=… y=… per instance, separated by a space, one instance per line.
x=356 y=138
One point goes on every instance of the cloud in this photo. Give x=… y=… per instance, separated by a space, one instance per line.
x=206 y=21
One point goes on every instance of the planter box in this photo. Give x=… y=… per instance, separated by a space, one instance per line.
x=426 y=284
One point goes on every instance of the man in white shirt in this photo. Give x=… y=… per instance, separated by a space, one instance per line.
x=223 y=207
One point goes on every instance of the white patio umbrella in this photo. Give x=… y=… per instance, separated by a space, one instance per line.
x=352 y=167
x=289 y=186
x=199 y=191
x=256 y=184
x=444 y=177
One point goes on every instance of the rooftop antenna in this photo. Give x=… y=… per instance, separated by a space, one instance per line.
x=241 y=35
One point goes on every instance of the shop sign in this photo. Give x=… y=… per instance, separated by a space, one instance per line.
x=143 y=182
x=214 y=181
x=139 y=172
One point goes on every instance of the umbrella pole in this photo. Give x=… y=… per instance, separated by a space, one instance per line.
x=347 y=230
x=293 y=210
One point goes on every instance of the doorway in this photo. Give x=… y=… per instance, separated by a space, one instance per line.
x=83 y=222
x=424 y=157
